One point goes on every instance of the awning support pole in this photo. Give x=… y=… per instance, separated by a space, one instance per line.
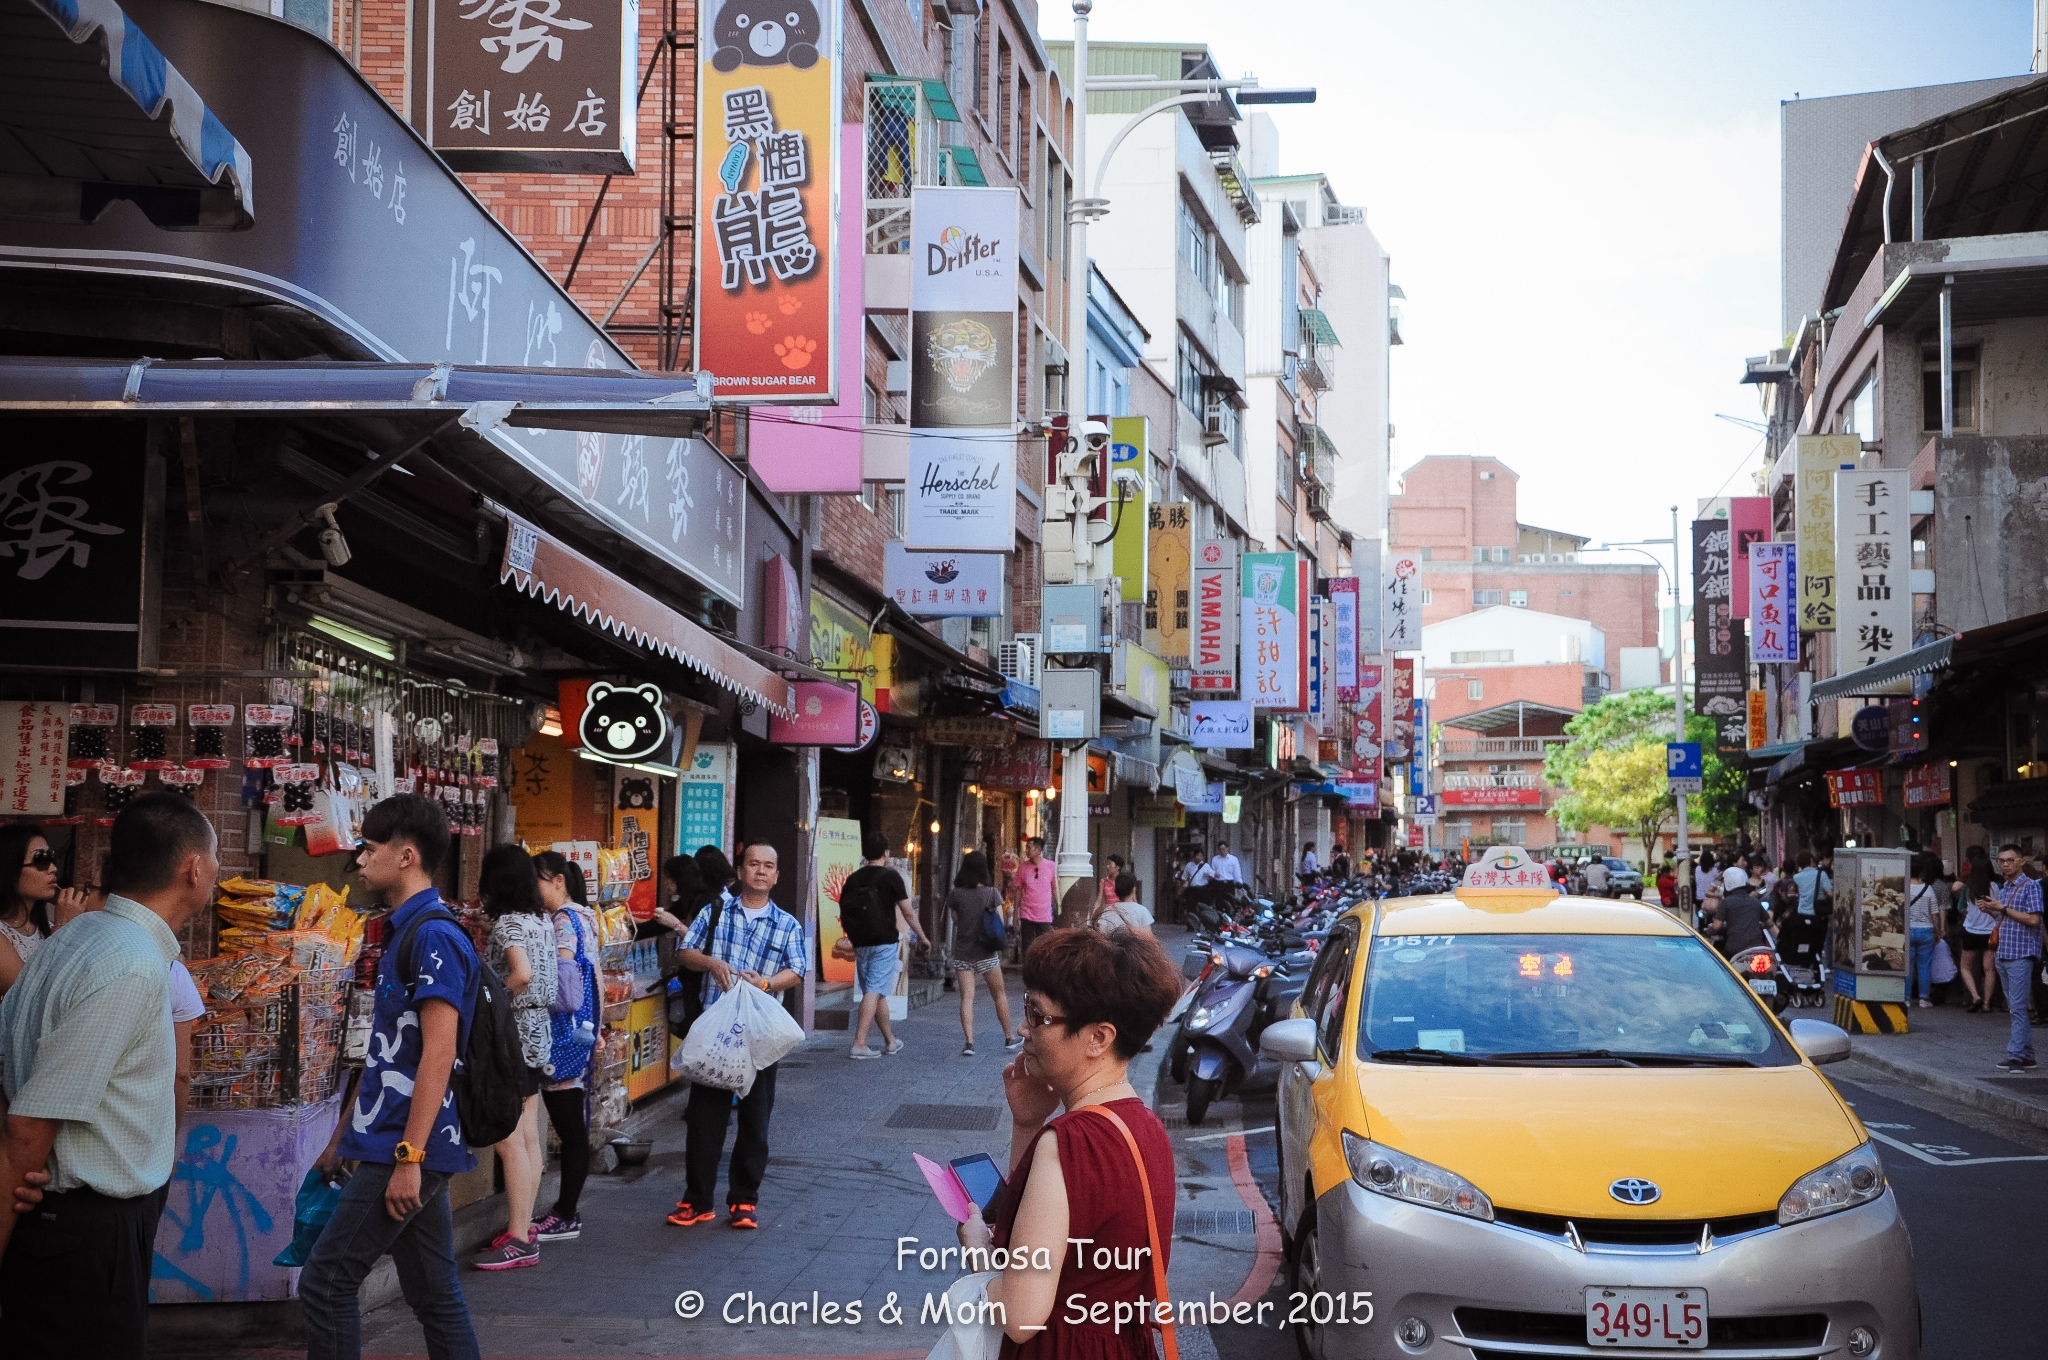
x=1948 y=358
x=1919 y=198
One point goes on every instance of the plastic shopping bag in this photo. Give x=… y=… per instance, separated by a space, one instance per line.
x=971 y=1333
x=1942 y=968
x=317 y=1197
x=771 y=1031
x=716 y=1052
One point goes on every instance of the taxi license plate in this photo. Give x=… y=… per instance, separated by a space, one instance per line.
x=1658 y=1319
x=1764 y=986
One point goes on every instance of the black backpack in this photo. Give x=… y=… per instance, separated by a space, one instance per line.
x=486 y=1078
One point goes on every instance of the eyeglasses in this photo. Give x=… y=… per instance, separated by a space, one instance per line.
x=1037 y=1018
x=43 y=859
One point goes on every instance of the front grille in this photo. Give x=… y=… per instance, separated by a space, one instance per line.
x=1636 y=1232
x=1569 y=1329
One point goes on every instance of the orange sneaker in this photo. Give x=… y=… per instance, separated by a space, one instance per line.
x=740 y=1216
x=686 y=1215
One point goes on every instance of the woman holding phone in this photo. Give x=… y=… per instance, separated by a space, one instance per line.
x=1092 y=999
x=31 y=903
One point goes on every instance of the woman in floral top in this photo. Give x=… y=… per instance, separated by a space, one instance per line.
x=522 y=951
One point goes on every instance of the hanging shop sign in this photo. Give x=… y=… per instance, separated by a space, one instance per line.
x=1130 y=459
x=1158 y=811
x=81 y=509
x=1139 y=675
x=768 y=103
x=1491 y=797
x=838 y=847
x=530 y=88
x=870 y=724
x=944 y=584
x=1873 y=561
x=1870 y=728
x=1365 y=563
x=784 y=619
x=1326 y=666
x=702 y=806
x=1721 y=662
x=842 y=644
x=623 y=723
x=827 y=714
x=1759 y=718
x=1213 y=592
x=961 y=482
x=1312 y=661
x=1401 y=604
x=1773 y=570
x=1233 y=807
x=1221 y=724
x=1401 y=711
x=34 y=739
x=1818 y=458
x=1368 y=725
x=1905 y=728
x=993 y=730
x=1211 y=800
x=1927 y=786
x=1027 y=765
x=1855 y=788
x=1166 y=581
x=1275 y=630
x=1749 y=521
x=1344 y=637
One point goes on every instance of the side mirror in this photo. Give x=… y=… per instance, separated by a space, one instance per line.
x=1290 y=1041
x=1820 y=1041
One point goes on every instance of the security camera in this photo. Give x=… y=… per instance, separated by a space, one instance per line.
x=1095 y=435
x=333 y=546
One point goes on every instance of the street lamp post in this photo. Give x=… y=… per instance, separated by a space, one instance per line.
x=1682 y=846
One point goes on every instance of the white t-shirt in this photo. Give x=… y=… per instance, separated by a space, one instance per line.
x=1225 y=868
x=1198 y=874
x=1596 y=875
x=1125 y=916
x=186 y=1003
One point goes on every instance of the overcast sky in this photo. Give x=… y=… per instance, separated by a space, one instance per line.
x=1581 y=202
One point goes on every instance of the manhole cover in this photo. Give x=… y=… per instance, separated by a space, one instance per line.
x=1216 y=1222
x=965 y=1118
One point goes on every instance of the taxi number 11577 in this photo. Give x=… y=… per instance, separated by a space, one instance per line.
x=1665 y=1319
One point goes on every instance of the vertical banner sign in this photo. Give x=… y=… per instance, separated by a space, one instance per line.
x=1213 y=594
x=1365 y=564
x=767 y=244
x=531 y=88
x=1819 y=457
x=961 y=482
x=1401 y=604
x=1749 y=521
x=1272 y=631
x=1368 y=721
x=1314 y=661
x=1344 y=614
x=838 y=857
x=1130 y=459
x=1773 y=581
x=1873 y=555
x=1401 y=711
x=1166 y=582
x=1326 y=658
x=1759 y=718
x=1720 y=660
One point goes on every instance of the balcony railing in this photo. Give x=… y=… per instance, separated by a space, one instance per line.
x=902 y=154
x=1237 y=185
x=1318 y=350
x=1316 y=464
x=1471 y=748
x=1453 y=780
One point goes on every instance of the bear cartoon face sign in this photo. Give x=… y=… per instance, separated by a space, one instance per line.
x=636 y=793
x=623 y=724
x=766 y=33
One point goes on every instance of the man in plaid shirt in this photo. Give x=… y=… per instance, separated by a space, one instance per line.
x=2016 y=902
x=749 y=938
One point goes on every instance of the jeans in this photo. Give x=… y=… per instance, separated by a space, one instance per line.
x=710 y=1108
x=2017 y=977
x=75 y=1280
x=422 y=1246
x=1920 y=975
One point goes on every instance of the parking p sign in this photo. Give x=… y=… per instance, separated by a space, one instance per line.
x=1684 y=767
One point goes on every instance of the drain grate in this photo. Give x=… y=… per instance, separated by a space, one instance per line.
x=1216 y=1222
x=961 y=1118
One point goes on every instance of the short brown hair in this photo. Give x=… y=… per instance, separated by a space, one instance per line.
x=1121 y=979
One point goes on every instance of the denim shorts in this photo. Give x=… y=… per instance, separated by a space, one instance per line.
x=876 y=965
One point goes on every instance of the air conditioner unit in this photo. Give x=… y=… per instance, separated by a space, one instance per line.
x=1217 y=420
x=1017 y=659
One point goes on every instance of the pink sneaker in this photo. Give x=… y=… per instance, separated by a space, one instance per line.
x=506 y=1253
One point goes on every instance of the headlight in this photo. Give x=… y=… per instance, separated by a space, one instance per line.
x=1384 y=1171
x=1200 y=1019
x=1853 y=1178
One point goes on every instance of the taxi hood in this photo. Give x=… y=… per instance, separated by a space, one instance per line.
x=1717 y=1141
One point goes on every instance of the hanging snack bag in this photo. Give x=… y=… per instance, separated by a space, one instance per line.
x=152 y=724
x=92 y=726
x=209 y=724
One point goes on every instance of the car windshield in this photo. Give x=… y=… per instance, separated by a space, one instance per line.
x=1601 y=999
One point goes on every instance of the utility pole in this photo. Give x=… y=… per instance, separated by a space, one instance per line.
x=1682 y=851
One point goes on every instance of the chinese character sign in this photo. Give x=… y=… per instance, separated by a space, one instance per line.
x=34 y=741
x=1326 y=665
x=944 y=584
x=1129 y=461
x=1401 y=604
x=1749 y=521
x=768 y=103
x=1168 y=599
x=1400 y=710
x=75 y=547
x=1314 y=660
x=1720 y=659
x=1759 y=718
x=1873 y=570
x=1368 y=727
x=1344 y=615
x=1819 y=457
x=1773 y=600
x=540 y=86
x=1213 y=600
x=1274 y=631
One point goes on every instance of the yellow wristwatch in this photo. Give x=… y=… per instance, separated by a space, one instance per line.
x=406 y=1152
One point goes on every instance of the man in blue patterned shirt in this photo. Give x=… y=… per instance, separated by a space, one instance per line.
x=2016 y=903
x=749 y=938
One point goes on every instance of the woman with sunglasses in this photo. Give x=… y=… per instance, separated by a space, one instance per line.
x=1092 y=999
x=31 y=903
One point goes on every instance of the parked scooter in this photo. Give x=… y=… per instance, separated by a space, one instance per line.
x=1761 y=969
x=1217 y=1047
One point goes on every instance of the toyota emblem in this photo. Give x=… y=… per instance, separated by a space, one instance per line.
x=1635 y=1190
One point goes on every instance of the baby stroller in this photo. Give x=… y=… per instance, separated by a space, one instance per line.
x=1802 y=950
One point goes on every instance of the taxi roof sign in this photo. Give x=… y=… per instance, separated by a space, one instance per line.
x=1508 y=867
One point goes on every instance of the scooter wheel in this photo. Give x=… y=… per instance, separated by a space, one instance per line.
x=1177 y=1065
x=1201 y=1090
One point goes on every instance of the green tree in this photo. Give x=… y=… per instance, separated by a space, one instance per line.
x=1613 y=774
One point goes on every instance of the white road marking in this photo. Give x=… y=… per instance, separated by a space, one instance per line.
x=1228 y=1133
x=1913 y=1151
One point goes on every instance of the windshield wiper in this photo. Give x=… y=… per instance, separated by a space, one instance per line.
x=1427 y=1055
x=1626 y=1058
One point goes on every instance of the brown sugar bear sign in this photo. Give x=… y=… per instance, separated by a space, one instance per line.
x=766 y=33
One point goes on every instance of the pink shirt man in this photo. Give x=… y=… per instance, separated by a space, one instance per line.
x=1035 y=880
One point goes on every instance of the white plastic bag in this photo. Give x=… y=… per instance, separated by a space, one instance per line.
x=1942 y=968
x=715 y=1052
x=970 y=1335
x=770 y=1031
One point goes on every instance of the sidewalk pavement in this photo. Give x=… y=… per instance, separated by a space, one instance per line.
x=840 y=1192
x=1953 y=1054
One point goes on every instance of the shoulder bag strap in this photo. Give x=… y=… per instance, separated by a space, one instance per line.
x=1166 y=1332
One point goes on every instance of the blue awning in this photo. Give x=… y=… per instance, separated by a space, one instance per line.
x=91 y=112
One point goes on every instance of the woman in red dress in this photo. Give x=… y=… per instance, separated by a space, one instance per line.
x=1091 y=1002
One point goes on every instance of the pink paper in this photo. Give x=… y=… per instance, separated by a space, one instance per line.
x=952 y=1198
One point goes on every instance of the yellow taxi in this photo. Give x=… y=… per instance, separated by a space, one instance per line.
x=1514 y=1123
